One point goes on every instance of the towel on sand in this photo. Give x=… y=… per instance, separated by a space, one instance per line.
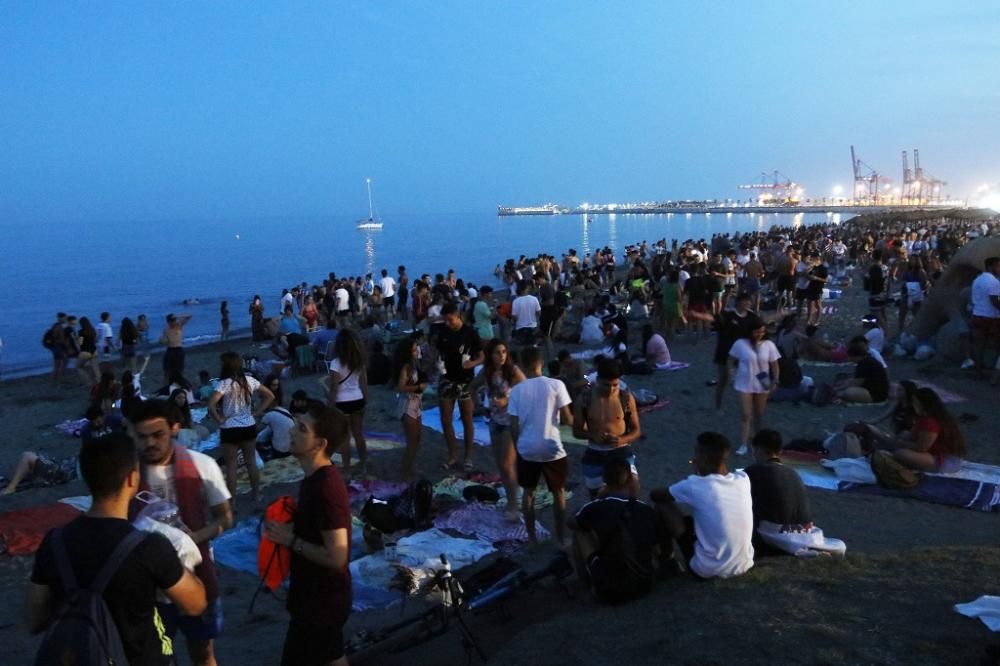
x=481 y=427
x=486 y=522
x=986 y=608
x=22 y=531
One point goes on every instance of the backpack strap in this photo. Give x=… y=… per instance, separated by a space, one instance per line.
x=63 y=565
x=118 y=555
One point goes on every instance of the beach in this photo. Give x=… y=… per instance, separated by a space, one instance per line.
x=889 y=601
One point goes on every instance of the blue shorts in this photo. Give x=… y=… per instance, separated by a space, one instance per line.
x=204 y=627
x=594 y=461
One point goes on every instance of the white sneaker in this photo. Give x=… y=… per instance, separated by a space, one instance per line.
x=742 y=451
x=968 y=363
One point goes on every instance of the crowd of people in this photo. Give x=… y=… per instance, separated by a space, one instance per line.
x=484 y=352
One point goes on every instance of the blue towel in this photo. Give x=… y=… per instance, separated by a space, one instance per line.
x=975 y=495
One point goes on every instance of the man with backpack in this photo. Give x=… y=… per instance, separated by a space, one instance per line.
x=95 y=581
x=606 y=416
x=616 y=537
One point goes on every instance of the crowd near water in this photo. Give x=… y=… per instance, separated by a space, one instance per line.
x=534 y=342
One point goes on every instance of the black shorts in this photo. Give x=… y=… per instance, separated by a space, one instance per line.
x=547 y=318
x=173 y=359
x=555 y=472
x=786 y=283
x=308 y=644
x=801 y=294
x=877 y=301
x=237 y=435
x=351 y=406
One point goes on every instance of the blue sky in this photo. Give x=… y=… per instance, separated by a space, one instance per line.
x=148 y=110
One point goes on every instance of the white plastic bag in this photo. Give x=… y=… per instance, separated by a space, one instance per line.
x=184 y=545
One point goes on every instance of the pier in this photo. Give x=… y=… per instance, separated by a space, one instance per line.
x=719 y=209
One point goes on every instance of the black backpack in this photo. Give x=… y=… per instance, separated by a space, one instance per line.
x=616 y=572
x=48 y=339
x=412 y=508
x=84 y=633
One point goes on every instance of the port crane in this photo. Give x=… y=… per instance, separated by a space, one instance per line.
x=867 y=181
x=918 y=187
x=780 y=190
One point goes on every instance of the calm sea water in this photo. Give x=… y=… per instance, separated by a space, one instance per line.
x=128 y=268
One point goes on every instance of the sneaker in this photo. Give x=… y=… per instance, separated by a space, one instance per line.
x=742 y=451
x=968 y=364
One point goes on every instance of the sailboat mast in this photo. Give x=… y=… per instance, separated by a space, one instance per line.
x=371 y=214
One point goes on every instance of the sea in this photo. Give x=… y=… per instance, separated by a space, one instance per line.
x=153 y=268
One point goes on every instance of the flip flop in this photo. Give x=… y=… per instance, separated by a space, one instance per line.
x=449 y=466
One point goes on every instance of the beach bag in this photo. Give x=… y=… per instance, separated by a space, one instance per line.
x=891 y=473
x=616 y=572
x=412 y=508
x=274 y=561
x=843 y=445
x=84 y=632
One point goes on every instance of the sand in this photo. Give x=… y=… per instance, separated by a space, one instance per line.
x=890 y=601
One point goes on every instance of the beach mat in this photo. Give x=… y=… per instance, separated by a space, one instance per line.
x=22 y=531
x=965 y=493
x=487 y=523
x=661 y=403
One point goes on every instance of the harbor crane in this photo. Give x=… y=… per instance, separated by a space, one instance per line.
x=919 y=187
x=867 y=181
x=780 y=190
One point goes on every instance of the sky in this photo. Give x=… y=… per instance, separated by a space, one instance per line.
x=188 y=110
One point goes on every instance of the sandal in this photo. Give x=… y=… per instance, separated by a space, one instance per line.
x=467 y=466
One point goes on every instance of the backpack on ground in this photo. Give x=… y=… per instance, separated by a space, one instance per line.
x=616 y=572
x=84 y=633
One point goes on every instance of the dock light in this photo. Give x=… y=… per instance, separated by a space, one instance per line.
x=837 y=190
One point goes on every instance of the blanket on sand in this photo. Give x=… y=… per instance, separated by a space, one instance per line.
x=22 y=531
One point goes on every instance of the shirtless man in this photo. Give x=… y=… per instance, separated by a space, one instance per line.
x=173 y=338
x=784 y=267
x=608 y=419
x=753 y=275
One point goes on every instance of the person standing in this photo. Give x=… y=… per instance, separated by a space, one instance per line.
x=319 y=537
x=388 y=286
x=525 y=310
x=224 y=320
x=461 y=351
x=105 y=553
x=482 y=314
x=105 y=336
x=817 y=275
x=173 y=338
x=194 y=482
x=402 y=294
x=56 y=342
x=410 y=386
x=985 y=321
x=536 y=407
x=756 y=363
x=238 y=432
x=348 y=385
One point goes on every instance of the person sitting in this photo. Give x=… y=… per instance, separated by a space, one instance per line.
x=902 y=414
x=177 y=380
x=792 y=385
x=655 y=348
x=873 y=332
x=870 y=382
x=716 y=538
x=379 y=365
x=591 y=329
x=323 y=339
x=618 y=567
x=874 y=353
x=206 y=386
x=935 y=443
x=811 y=348
x=779 y=496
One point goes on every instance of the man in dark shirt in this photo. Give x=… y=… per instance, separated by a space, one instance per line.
x=461 y=351
x=818 y=275
x=870 y=382
x=319 y=591
x=878 y=274
x=599 y=522
x=110 y=468
x=779 y=496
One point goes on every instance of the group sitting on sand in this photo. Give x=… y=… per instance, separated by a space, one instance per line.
x=486 y=351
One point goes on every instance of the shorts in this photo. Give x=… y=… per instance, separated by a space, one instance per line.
x=547 y=319
x=308 y=644
x=555 y=472
x=525 y=336
x=54 y=472
x=173 y=359
x=497 y=429
x=751 y=285
x=877 y=301
x=988 y=325
x=351 y=406
x=59 y=353
x=204 y=627
x=237 y=435
x=409 y=404
x=450 y=390
x=786 y=283
x=594 y=461
x=801 y=294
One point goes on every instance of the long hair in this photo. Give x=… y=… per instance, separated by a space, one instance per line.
x=87 y=330
x=402 y=357
x=349 y=351
x=185 y=410
x=506 y=370
x=128 y=331
x=751 y=324
x=951 y=437
x=232 y=368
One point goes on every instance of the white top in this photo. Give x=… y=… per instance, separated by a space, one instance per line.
x=349 y=388
x=388 y=286
x=525 y=310
x=723 y=522
x=657 y=348
x=983 y=287
x=752 y=362
x=591 y=329
x=104 y=331
x=877 y=355
x=281 y=423
x=682 y=277
x=536 y=403
x=236 y=405
x=161 y=481
x=876 y=339
x=287 y=299
x=342 y=298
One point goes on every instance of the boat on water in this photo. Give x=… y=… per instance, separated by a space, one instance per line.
x=370 y=222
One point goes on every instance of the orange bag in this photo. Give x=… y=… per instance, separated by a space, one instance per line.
x=274 y=562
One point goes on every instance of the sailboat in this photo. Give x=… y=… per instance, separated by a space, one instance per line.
x=370 y=222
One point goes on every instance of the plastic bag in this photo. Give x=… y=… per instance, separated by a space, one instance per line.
x=184 y=545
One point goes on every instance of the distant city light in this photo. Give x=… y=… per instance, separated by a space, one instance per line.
x=838 y=190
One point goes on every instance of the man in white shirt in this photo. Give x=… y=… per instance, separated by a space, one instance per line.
x=525 y=310
x=105 y=336
x=985 y=322
x=286 y=299
x=536 y=407
x=388 y=286
x=194 y=482
x=716 y=536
